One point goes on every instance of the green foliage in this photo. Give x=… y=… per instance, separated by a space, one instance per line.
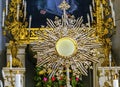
x=42 y=79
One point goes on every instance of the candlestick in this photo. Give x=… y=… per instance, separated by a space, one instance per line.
x=113 y=16
x=90 y=7
x=30 y=19
x=3 y=74
x=110 y=59
x=10 y=61
x=112 y=11
x=18 y=7
x=115 y=81
x=93 y=3
x=6 y=7
x=1 y=84
x=101 y=6
x=88 y=17
x=23 y=2
x=18 y=80
x=116 y=71
x=3 y=19
x=25 y=7
x=103 y=71
x=111 y=4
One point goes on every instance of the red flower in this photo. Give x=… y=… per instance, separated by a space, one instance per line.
x=45 y=79
x=61 y=86
x=70 y=79
x=77 y=79
x=53 y=78
x=61 y=77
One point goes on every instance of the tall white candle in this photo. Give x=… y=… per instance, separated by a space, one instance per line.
x=88 y=18
x=18 y=80
x=103 y=71
x=10 y=61
x=111 y=4
x=3 y=74
x=110 y=59
x=115 y=83
x=93 y=3
x=116 y=71
x=30 y=20
x=6 y=7
x=101 y=6
x=113 y=16
x=3 y=19
x=91 y=14
x=18 y=7
x=23 y=2
x=112 y=11
x=25 y=7
x=1 y=84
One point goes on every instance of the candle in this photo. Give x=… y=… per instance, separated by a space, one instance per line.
x=88 y=18
x=25 y=7
x=18 y=80
x=110 y=59
x=6 y=7
x=113 y=16
x=90 y=7
x=1 y=84
x=113 y=12
x=30 y=19
x=101 y=6
x=111 y=4
x=10 y=61
x=103 y=71
x=116 y=71
x=18 y=6
x=3 y=19
x=93 y=3
x=3 y=74
x=115 y=83
x=23 y=2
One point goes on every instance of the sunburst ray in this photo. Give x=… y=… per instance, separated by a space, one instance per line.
x=69 y=42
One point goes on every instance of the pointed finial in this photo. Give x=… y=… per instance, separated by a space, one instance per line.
x=64 y=5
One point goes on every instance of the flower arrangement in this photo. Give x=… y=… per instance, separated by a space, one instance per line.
x=42 y=79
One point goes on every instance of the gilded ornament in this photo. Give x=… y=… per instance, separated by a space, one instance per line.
x=66 y=32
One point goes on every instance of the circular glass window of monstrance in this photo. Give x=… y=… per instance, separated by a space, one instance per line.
x=66 y=47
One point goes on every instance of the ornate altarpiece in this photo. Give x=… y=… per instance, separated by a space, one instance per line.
x=101 y=21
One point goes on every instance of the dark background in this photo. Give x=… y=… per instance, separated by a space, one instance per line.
x=40 y=19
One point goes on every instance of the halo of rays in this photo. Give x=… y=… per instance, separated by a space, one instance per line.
x=82 y=34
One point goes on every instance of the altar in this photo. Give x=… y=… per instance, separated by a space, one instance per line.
x=65 y=50
x=14 y=77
